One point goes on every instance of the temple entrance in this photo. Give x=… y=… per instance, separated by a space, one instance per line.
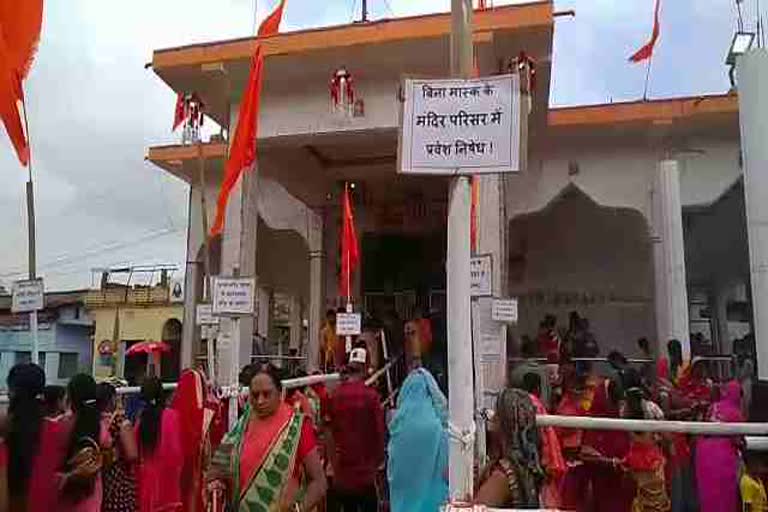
x=403 y=278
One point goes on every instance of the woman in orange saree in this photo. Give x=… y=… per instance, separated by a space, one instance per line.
x=272 y=446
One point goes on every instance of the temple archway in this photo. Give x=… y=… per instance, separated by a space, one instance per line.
x=576 y=255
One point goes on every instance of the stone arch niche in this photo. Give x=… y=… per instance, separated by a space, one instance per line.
x=576 y=255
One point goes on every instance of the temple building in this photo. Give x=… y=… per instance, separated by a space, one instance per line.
x=631 y=214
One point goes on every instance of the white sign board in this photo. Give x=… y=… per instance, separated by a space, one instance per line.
x=504 y=310
x=460 y=126
x=204 y=315
x=349 y=324
x=233 y=296
x=480 y=268
x=27 y=296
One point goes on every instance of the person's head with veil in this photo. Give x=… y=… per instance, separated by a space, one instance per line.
x=418 y=446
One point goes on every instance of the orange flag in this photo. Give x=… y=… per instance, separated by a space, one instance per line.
x=646 y=51
x=20 y=24
x=242 y=154
x=350 y=253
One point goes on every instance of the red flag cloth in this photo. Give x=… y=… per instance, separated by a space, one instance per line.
x=242 y=154
x=350 y=255
x=20 y=24
x=646 y=51
x=178 y=113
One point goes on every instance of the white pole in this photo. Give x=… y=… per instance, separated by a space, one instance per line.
x=460 y=372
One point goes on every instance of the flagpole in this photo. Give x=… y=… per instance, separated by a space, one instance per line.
x=31 y=240
x=647 y=77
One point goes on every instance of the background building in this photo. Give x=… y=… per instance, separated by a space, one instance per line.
x=126 y=313
x=65 y=330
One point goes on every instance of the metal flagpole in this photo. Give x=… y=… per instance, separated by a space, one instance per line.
x=460 y=372
x=31 y=243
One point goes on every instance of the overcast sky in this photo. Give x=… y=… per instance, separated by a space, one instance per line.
x=94 y=109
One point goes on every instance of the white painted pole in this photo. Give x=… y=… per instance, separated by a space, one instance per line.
x=460 y=371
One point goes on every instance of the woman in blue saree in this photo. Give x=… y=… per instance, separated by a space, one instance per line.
x=418 y=446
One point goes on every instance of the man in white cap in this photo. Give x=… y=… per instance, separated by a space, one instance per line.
x=356 y=443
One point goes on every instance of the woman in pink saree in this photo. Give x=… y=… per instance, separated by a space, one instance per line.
x=717 y=458
x=161 y=457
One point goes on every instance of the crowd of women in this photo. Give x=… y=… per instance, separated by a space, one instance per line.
x=621 y=471
x=88 y=455
x=98 y=455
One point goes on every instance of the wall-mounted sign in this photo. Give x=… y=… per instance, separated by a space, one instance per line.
x=28 y=295
x=481 y=276
x=348 y=324
x=504 y=310
x=233 y=296
x=460 y=126
x=204 y=315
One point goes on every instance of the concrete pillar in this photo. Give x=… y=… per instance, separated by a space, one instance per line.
x=295 y=323
x=190 y=333
x=239 y=259
x=719 y=305
x=263 y=304
x=316 y=295
x=491 y=239
x=669 y=259
x=752 y=75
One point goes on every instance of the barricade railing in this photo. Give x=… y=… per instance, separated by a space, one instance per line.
x=662 y=426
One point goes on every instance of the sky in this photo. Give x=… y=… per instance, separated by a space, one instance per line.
x=94 y=109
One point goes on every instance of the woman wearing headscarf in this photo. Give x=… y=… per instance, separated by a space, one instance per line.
x=717 y=458
x=193 y=403
x=514 y=479
x=603 y=451
x=645 y=460
x=418 y=446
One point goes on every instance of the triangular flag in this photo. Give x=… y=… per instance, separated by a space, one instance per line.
x=646 y=51
x=350 y=253
x=242 y=154
x=20 y=24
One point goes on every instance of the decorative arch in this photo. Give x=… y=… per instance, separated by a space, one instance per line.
x=576 y=255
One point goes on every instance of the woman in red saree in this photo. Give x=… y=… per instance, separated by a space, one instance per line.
x=272 y=446
x=575 y=483
x=199 y=411
x=603 y=451
x=552 y=460
x=161 y=458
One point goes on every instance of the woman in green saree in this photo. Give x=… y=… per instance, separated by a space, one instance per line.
x=270 y=452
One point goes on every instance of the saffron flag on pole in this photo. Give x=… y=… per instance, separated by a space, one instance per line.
x=242 y=153
x=646 y=51
x=179 y=112
x=350 y=254
x=20 y=24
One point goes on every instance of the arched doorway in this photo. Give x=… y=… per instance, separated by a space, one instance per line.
x=576 y=255
x=170 y=364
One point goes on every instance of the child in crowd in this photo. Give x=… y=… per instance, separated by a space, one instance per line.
x=753 y=496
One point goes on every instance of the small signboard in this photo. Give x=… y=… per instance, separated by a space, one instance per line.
x=504 y=310
x=233 y=296
x=349 y=324
x=460 y=126
x=204 y=315
x=481 y=282
x=28 y=295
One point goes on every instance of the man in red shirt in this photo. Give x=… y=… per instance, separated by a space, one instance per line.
x=356 y=443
